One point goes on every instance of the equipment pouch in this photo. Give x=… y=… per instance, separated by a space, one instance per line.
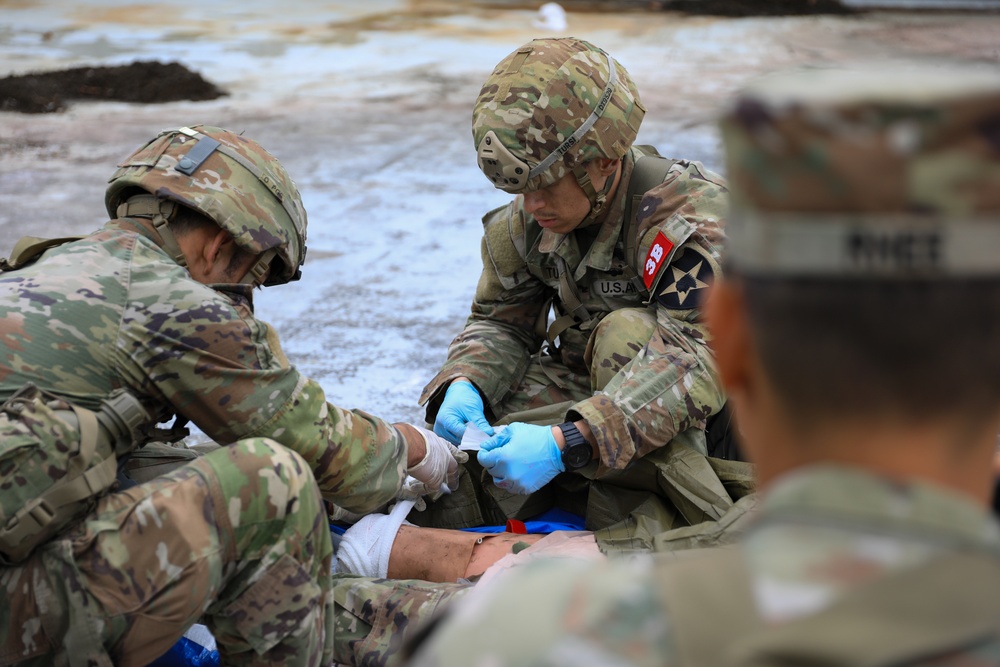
x=56 y=460
x=29 y=248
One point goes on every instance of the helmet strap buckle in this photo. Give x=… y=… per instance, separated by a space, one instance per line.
x=257 y=273
x=160 y=212
x=598 y=200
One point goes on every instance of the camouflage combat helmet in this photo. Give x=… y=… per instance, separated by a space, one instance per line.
x=226 y=177
x=889 y=172
x=548 y=108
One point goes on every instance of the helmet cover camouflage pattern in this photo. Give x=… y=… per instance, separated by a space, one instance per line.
x=537 y=98
x=239 y=185
x=892 y=171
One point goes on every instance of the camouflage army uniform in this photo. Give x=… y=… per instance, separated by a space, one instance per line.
x=819 y=535
x=639 y=405
x=640 y=373
x=135 y=319
x=240 y=536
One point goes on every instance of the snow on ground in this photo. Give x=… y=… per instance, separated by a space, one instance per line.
x=368 y=105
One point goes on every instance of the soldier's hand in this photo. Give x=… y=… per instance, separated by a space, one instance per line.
x=522 y=458
x=415 y=490
x=462 y=404
x=438 y=469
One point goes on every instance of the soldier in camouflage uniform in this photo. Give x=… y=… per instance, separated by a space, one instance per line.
x=624 y=368
x=623 y=253
x=157 y=306
x=856 y=333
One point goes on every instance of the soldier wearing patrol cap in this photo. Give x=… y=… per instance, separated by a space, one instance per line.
x=149 y=318
x=856 y=333
x=617 y=244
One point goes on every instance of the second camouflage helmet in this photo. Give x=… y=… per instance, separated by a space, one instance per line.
x=228 y=178
x=548 y=108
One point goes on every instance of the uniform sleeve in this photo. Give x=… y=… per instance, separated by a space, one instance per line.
x=555 y=612
x=672 y=384
x=206 y=356
x=495 y=347
x=358 y=459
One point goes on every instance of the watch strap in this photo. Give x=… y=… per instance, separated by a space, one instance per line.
x=577 y=452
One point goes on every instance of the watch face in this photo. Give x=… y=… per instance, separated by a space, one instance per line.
x=578 y=455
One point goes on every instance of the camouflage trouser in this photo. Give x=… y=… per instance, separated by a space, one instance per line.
x=373 y=617
x=614 y=343
x=237 y=539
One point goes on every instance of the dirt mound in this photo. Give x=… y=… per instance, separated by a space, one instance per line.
x=145 y=82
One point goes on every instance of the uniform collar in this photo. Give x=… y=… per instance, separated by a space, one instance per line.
x=140 y=226
x=145 y=228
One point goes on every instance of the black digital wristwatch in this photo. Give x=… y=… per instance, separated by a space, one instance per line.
x=577 y=452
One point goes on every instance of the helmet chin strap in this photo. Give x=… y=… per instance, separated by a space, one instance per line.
x=160 y=212
x=598 y=200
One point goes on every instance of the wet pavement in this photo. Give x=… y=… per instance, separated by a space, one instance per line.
x=368 y=105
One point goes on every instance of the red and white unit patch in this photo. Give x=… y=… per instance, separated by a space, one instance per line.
x=658 y=253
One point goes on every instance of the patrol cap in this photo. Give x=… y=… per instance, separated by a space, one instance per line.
x=549 y=107
x=890 y=172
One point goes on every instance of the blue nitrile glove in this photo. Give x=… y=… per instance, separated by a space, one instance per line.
x=462 y=404
x=522 y=458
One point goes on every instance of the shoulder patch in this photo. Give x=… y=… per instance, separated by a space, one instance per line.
x=683 y=284
x=658 y=245
x=659 y=251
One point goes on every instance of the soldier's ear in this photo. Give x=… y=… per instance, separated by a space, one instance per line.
x=606 y=166
x=219 y=247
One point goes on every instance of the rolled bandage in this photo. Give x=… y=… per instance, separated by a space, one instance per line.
x=366 y=545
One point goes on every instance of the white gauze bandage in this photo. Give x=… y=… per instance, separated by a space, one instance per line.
x=366 y=545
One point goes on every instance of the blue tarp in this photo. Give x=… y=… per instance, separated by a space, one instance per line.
x=544 y=523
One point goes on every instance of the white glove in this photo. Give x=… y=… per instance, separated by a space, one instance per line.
x=415 y=490
x=438 y=470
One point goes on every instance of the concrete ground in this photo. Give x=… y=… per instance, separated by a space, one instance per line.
x=368 y=105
